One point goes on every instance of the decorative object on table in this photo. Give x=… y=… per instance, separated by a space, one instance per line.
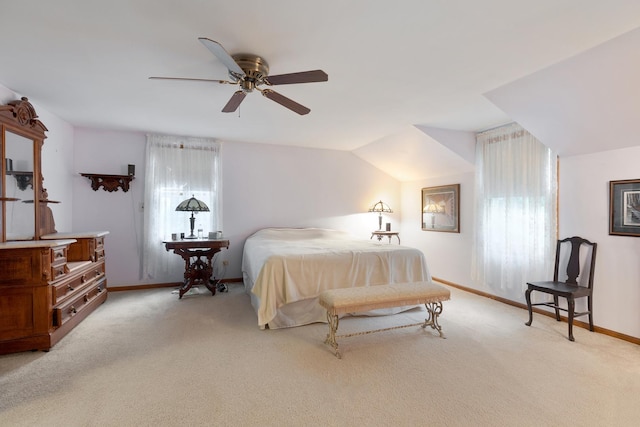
x=380 y=207
x=441 y=208
x=192 y=205
x=624 y=207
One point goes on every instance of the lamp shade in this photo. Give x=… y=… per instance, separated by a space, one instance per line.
x=192 y=205
x=380 y=207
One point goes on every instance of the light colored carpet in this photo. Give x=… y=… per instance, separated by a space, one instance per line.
x=147 y=358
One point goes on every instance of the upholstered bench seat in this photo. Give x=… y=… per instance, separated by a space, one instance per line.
x=360 y=299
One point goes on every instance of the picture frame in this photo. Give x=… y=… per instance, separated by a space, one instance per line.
x=624 y=207
x=441 y=208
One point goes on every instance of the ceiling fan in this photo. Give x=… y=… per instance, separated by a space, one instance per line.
x=250 y=72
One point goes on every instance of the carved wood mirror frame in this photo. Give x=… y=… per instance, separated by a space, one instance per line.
x=19 y=117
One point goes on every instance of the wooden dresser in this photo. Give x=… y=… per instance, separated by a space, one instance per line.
x=48 y=286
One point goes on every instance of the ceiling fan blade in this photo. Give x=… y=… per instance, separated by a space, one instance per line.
x=286 y=102
x=234 y=102
x=194 y=80
x=224 y=57
x=301 y=77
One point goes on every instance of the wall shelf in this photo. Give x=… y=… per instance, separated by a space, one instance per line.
x=24 y=179
x=109 y=183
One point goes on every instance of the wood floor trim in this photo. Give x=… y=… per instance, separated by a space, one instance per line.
x=160 y=285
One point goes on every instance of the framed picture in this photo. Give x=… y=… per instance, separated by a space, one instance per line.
x=441 y=208
x=624 y=207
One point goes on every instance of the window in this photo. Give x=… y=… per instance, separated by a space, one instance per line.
x=516 y=210
x=176 y=169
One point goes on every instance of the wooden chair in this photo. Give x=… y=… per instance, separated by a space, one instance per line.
x=569 y=289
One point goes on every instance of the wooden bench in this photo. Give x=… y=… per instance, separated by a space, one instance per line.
x=360 y=299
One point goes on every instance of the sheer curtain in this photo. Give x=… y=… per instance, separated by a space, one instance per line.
x=176 y=169
x=516 y=210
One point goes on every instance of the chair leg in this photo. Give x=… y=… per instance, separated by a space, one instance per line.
x=527 y=295
x=571 y=305
x=555 y=303
x=590 y=313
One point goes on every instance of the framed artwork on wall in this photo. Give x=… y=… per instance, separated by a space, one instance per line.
x=441 y=208
x=624 y=207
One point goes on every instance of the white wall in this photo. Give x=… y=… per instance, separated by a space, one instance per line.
x=119 y=213
x=279 y=186
x=263 y=186
x=584 y=211
x=448 y=254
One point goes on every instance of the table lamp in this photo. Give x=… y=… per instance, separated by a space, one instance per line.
x=380 y=207
x=192 y=205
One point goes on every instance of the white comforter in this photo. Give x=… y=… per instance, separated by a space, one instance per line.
x=286 y=266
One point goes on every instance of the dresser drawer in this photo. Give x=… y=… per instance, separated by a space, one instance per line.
x=58 y=263
x=67 y=288
x=58 y=256
x=65 y=311
x=99 y=242
x=58 y=272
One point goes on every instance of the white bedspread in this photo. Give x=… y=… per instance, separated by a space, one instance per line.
x=286 y=266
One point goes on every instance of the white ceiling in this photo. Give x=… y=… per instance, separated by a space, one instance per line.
x=396 y=69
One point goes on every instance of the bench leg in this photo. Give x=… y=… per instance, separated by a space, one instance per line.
x=433 y=311
x=332 y=319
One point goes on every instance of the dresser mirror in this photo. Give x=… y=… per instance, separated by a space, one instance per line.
x=22 y=136
x=19 y=214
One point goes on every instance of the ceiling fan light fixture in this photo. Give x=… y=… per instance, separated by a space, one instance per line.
x=250 y=71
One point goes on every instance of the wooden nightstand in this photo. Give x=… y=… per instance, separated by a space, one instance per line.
x=197 y=255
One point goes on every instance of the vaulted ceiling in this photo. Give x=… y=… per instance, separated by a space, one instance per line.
x=409 y=81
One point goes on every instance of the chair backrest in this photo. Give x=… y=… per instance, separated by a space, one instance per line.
x=573 y=264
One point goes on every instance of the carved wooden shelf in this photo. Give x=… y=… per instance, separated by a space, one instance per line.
x=109 y=182
x=24 y=179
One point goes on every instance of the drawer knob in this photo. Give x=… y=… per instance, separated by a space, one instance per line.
x=72 y=310
x=70 y=287
x=83 y=278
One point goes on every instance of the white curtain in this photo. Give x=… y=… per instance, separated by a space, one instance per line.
x=516 y=210
x=176 y=169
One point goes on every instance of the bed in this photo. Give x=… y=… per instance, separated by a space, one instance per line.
x=285 y=269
